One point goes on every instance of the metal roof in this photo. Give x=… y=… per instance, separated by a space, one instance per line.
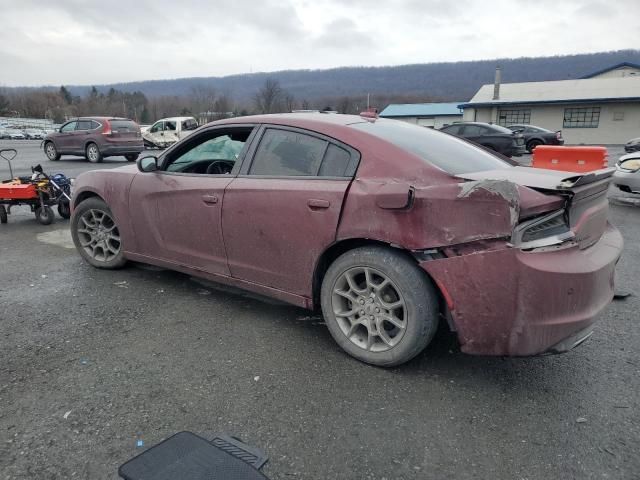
x=560 y=91
x=613 y=67
x=421 y=109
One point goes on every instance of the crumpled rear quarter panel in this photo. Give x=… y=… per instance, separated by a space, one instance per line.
x=512 y=302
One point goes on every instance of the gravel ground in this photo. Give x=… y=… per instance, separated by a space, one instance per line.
x=91 y=361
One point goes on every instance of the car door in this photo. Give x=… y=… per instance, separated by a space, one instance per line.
x=283 y=210
x=176 y=211
x=155 y=133
x=79 y=136
x=64 y=138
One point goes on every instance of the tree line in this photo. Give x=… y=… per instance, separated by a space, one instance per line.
x=202 y=101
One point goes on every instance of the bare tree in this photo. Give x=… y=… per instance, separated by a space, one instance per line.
x=202 y=98
x=269 y=97
x=289 y=102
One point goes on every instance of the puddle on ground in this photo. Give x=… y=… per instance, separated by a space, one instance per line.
x=60 y=237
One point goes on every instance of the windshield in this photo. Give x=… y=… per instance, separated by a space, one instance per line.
x=444 y=151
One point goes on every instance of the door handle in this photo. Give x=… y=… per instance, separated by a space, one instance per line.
x=210 y=199
x=317 y=204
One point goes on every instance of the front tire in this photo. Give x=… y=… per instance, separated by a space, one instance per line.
x=132 y=157
x=51 y=152
x=92 y=153
x=379 y=306
x=96 y=235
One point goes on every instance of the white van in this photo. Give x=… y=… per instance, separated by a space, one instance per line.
x=168 y=131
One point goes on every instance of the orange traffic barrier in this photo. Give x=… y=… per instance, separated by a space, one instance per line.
x=570 y=159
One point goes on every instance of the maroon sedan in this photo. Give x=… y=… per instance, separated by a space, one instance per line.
x=389 y=228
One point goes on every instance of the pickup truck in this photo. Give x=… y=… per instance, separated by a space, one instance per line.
x=168 y=131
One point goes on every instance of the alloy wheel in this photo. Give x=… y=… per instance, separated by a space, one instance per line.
x=98 y=235
x=369 y=309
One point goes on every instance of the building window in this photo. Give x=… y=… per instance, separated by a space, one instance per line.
x=583 y=117
x=514 y=117
x=617 y=116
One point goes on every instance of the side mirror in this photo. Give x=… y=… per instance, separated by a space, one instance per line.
x=147 y=164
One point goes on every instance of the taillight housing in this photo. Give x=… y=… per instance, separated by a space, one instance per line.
x=106 y=128
x=543 y=231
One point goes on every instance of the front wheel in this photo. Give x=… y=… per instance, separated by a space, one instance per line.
x=45 y=215
x=51 y=152
x=379 y=306
x=96 y=235
x=92 y=152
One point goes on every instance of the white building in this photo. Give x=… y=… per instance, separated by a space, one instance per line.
x=601 y=108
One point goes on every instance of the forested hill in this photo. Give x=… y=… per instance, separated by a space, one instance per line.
x=435 y=81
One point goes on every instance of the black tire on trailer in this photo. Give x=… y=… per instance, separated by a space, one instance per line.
x=3 y=214
x=45 y=215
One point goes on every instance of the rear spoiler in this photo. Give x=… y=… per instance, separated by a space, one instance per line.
x=540 y=178
x=585 y=178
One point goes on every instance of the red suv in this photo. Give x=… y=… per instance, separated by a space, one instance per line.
x=95 y=138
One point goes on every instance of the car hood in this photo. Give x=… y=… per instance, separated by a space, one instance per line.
x=539 y=178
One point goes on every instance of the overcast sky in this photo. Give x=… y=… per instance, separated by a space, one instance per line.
x=95 y=42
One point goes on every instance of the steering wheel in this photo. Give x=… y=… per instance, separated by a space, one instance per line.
x=218 y=168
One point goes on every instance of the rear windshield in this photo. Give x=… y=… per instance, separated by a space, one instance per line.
x=449 y=153
x=123 y=125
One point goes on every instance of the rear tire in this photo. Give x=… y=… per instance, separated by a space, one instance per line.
x=92 y=153
x=131 y=157
x=533 y=144
x=51 y=152
x=96 y=236
x=3 y=214
x=379 y=306
x=45 y=215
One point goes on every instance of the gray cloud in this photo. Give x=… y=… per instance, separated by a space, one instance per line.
x=77 y=41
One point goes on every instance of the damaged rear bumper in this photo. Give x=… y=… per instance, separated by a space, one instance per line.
x=506 y=301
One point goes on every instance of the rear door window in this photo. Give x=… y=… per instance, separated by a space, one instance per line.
x=83 y=125
x=189 y=124
x=287 y=153
x=473 y=131
x=452 y=129
x=336 y=163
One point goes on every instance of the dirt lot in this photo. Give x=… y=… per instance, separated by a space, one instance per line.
x=91 y=361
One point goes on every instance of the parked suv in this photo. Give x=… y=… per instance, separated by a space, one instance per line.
x=534 y=136
x=490 y=136
x=95 y=138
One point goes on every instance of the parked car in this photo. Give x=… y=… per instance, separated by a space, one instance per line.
x=632 y=145
x=534 y=136
x=167 y=131
x=3 y=134
x=13 y=134
x=387 y=227
x=490 y=136
x=34 y=134
x=95 y=138
x=627 y=176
